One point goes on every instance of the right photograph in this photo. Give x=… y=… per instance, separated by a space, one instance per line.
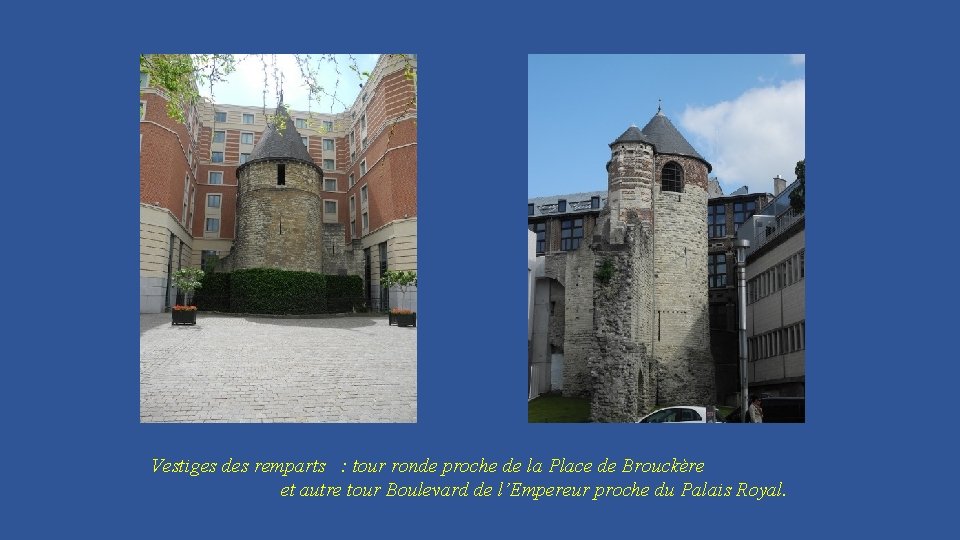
x=666 y=238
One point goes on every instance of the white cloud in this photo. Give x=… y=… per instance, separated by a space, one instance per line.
x=798 y=59
x=752 y=138
x=246 y=85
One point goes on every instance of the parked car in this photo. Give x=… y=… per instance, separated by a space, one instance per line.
x=683 y=414
x=776 y=410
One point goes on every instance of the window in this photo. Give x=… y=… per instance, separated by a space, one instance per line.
x=364 y=222
x=281 y=174
x=571 y=232
x=353 y=228
x=327 y=126
x=717 y=221
x=363 y=167
x=216 y=157
x=213 y=225
x=717 y=268
x=363 y=123
x=213 y=201
x=329 y=207
x=244 y=158
x=328 y=164
x=363 y=98
x=305 y=141
x=529 y=209
x=300 y=123
x=215 y=177
x=246 y=138
x=541 y=230
x=742 y=211
x=329 y=184
x=328 y=145
x=363 y=143
x=595 y=202
x=353 y=157
x=144 y=80
x=143 y=110
x=351 y=139
x=352 y=204
x=350 y=183
x=562 y=205
x=363 y=195
x=219 y=117
x=247 y=118
x=671 y=178
x=219 y=136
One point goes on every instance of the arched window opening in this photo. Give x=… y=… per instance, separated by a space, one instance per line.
x=671 y=178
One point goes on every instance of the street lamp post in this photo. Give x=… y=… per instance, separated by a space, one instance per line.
x=741 y=247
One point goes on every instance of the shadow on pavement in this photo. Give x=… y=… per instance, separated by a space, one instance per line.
x=323 y=322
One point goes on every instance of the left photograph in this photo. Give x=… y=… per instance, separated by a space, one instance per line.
x=278 y=238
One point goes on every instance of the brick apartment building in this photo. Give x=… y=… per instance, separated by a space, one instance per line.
x=188 y=179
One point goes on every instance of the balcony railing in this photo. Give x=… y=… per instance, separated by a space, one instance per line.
x=777 y=227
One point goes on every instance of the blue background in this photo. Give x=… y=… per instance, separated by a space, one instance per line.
x=881 y=117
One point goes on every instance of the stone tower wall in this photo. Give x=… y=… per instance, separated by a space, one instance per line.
x=279 y=226
x=681 y=335
x=629 y=181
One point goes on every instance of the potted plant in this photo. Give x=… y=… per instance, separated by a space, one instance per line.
x=403 y=280
x=186 y=280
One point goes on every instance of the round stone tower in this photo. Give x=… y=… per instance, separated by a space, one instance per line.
x=680 y=326
x=279 y=206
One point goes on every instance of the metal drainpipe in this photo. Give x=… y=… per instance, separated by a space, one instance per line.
x=741 y=247
x=653 y=281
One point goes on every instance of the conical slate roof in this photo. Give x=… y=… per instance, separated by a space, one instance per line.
x=668 y=140
x=632 y=134
x=286 y=145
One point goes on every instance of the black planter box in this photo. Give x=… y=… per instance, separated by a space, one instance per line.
x=392 y=318
x=406 y=319
x=184 y=316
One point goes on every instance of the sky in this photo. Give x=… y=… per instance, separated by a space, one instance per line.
x=745 y=114
x=245 y=85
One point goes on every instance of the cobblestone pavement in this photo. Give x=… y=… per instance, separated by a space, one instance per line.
x=252 y=369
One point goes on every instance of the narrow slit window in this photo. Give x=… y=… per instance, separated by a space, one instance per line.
x=281 y=175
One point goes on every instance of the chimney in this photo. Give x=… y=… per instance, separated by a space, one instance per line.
x=779 y=184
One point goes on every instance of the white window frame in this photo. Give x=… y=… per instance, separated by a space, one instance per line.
x=364 y=195
x=244 y=116
x=327 y=126
x=336 y=207
x=144 y=79
x=365 y=223
x=224 y=113
x=353 y=206
x=333 y=164
x=250 y=133
x=143 y=110
x=213 y=140
x=206 y=222
x=210 y=175
x=219 y=197
x=300 y=123
x=325 y=180
x=351 y=182
x=305 y=139
x=241 y=157
x=333 y=144
x=212 y=152
x=363 y=166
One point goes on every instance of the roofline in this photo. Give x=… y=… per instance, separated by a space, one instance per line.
x=268 y=159
x=654 y=145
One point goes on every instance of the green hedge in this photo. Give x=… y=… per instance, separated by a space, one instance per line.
x=214 y=293
x=344 y=294
x=283 y=292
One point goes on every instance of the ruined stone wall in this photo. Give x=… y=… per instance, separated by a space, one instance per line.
x=619 y=365
x=339 y=258
x=579 y=337
x=681 y=345
x=280 y=226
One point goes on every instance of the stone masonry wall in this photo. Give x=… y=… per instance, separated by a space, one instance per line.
x=682 y=339
x=619 y=364
x=579 y=337
x=280 y=226
x=629 y=179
